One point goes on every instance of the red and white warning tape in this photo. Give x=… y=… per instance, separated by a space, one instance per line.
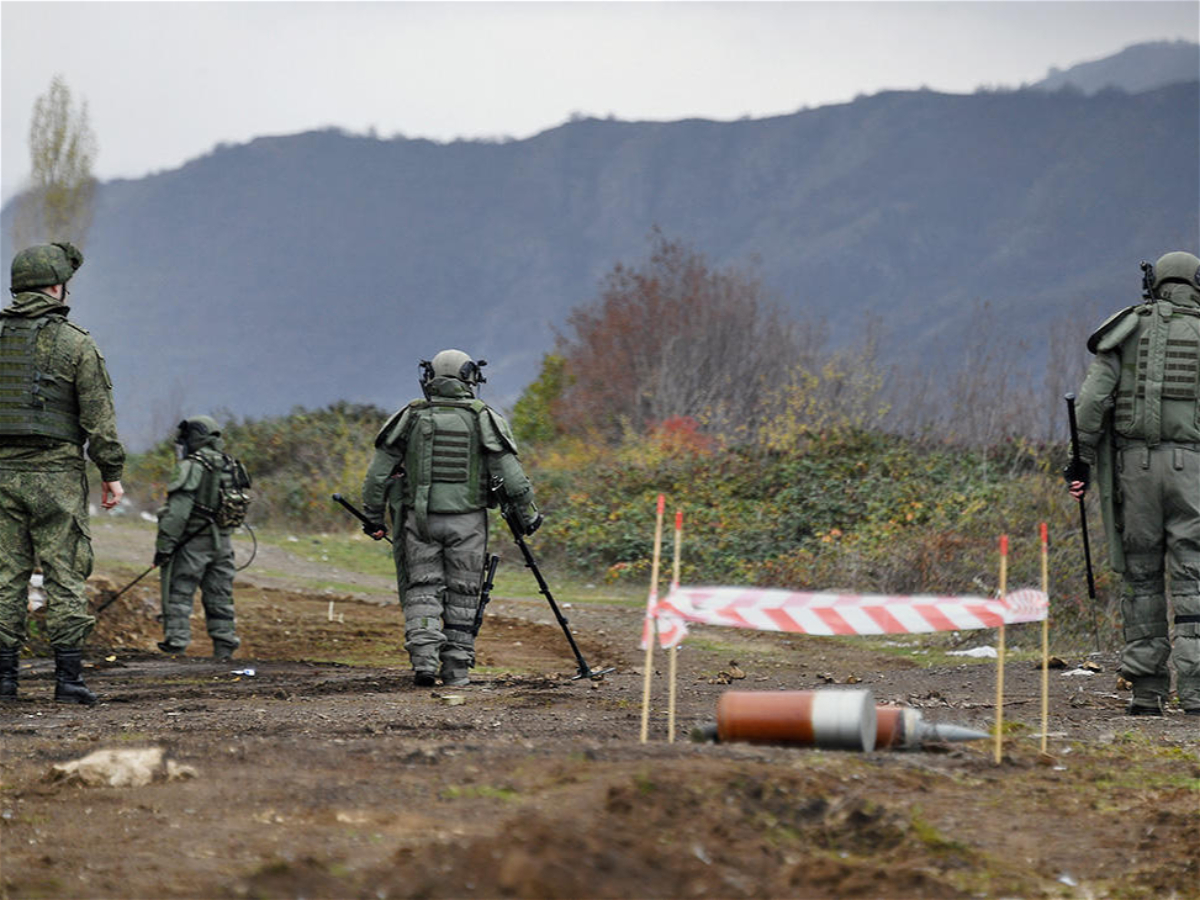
x=823 y=613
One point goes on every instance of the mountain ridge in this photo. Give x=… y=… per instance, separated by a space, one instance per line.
x=310 y=268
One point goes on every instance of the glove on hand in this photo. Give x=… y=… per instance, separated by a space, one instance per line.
x=161 y=558
x=1077 y=471
x=534 y=525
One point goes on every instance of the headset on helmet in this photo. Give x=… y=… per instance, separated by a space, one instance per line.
x=194 y=429
x=452 y=364
x=1176 y=267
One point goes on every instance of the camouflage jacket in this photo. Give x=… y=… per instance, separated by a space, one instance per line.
x=71 y=355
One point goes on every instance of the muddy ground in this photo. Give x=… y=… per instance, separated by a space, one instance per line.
x=326 y=773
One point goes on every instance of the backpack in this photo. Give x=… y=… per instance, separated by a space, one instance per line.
x=228 y=491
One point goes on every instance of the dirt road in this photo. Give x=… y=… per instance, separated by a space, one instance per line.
x=326 y=773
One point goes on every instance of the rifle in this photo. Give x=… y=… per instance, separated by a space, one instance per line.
x=1147 y=281
x=510 y=516
x=1076 y=463
x=485 y=591
x=113 y=599
x=358 y=514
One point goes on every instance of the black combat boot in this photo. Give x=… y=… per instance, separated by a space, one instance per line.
x=1149 y=695
x=1138 y=709
x=8 y=672
x=68 y=678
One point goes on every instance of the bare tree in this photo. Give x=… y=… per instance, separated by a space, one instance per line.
x=1066 y=363
x=673 y=337
x=58 y=204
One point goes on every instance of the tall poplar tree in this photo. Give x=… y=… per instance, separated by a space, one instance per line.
x=57 y=206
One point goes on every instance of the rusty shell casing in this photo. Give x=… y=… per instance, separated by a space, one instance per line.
x=833 y=720
x=896 y=727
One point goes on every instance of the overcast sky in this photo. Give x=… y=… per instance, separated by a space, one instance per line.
x=166 y=81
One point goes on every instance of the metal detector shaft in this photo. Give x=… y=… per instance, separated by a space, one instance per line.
x=357 y=513
x=113 y=599
x=530 y=563
x=1087 y=547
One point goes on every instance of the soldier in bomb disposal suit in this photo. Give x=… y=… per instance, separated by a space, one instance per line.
x=206 y=499
x=439 y=464
x=55 y=399
x=1139 y=424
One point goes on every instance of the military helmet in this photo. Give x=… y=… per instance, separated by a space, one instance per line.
x=1177 y=266
x=194 y=429
x=45 y=265
x=453 y=364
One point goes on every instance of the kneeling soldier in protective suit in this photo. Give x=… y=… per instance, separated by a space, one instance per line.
x=1139 y=422
x=434 y=462
x=206 y=500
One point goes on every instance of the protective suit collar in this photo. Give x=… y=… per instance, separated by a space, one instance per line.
x=451 y=388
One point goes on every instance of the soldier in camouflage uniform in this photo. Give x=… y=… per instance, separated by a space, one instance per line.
x=191 y=548
x=439 y=464
x=1139 y=424
x=55 y=398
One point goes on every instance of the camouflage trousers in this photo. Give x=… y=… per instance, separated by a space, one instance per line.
x=207 y=564
x=44 y=519
x=1160 y=490
x=442 y=577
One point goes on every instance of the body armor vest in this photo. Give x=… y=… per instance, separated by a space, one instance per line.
x=1160 y=376
x=34 y=402
x=444 y=457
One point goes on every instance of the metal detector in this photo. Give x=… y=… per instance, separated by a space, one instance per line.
x=530 y=563
x=113 y=599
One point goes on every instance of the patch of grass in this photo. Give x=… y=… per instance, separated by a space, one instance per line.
x=515 y=581
x=644 y=783
x=355 y=552
x=925 y=832
x=318 y=585
x=479 y=792
x=1182 y=754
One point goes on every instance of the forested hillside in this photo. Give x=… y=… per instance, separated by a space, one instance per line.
x=320 y=267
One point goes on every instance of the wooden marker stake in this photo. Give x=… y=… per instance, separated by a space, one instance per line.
x=1045 y=635
x=1000 y=650
x=649 y=630
x=674 y=651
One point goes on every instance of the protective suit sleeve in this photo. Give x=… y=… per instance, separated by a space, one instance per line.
x=181 y=497
x=1096 y=399
x=394 y=429
x=495 y=433
x=515 y=490
x=387 y=459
